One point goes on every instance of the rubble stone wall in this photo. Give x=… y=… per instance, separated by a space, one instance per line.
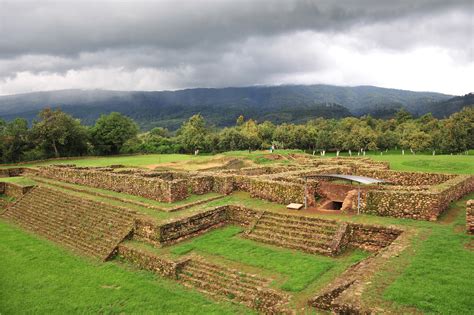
x=372 y=238
x=149 y=261
x=14 y=190
x=404 y=178
x=182 y=228
x=149 y=187
x=470 y=216
x=280 y=192
x=11 y=172
x=417 y=204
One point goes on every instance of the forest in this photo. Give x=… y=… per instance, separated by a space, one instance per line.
x=57 y=134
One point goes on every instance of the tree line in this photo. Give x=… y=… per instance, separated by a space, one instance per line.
x=57 y=134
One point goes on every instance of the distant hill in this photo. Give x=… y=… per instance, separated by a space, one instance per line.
x=221 y=106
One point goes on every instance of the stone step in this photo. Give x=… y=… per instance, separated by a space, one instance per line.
x=290 y=239
x=249 y=279
x=298 y=221
x=87 y=226
x=294 y=233
x=221 y=280
x=291 y=245
x=295 y=227
x=216 y=289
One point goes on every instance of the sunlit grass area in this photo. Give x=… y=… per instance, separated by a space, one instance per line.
x=38 y=277
x=438 y=277
x=456 y=164
x=300 y=269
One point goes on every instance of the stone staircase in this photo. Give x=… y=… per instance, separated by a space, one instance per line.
x=234 y=285
x=311 y=235
x=83 y=225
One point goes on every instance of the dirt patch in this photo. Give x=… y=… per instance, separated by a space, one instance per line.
x=469 y=245
x=274 y=157
x=216 y=163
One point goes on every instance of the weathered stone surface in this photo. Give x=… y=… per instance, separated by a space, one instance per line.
x=14 y=190
x=470 y=216
x=151 y=261
x=90 y=227
x=343 y=295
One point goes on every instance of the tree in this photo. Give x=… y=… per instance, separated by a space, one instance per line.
x=59 y=133
x=14 y=138
x=250 y=131
x=192 y=133
x=457 y=134
x=403 y=116
x=110 y=132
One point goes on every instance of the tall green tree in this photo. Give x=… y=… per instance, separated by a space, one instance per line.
x=193 y=133
x=111 y=132
x=59 y=134
x=14 y=140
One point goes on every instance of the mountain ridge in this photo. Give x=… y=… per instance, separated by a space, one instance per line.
x=221 y=106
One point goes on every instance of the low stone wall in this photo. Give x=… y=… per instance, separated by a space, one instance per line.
x=152 y=262
x=404 y=178
x=14 y=190
x=241 y=215
x=280 y=192
x=11 y=172
x=150 y=187
x=470 y=216
x=183 y=228
x=417 y=204
x=147 y=230
x=371 y=238
x=343 y=294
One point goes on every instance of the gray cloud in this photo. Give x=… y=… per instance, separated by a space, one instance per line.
x=221 y=43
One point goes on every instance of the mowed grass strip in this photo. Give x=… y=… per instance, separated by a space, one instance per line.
x=440 y=277
x=300 y=269
x=38 y=277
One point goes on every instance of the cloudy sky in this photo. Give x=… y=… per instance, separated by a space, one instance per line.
x=424 y=45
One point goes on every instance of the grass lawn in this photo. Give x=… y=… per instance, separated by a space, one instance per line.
x=127 y=160
x=19 y=180
x=300 y=269
x=38 y=277
x=456 y=164
x=439 y=277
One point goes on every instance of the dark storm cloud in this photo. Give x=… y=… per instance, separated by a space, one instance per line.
x=175 y=44
x=70 y=27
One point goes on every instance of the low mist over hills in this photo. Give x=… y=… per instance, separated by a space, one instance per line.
x=221 y=106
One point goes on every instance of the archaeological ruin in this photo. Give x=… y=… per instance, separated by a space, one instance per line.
x=85 y=210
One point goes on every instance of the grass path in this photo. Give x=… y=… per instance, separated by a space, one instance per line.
x=439 y=273
x=38 y=277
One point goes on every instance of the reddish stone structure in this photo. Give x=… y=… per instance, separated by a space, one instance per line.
x=470 y=216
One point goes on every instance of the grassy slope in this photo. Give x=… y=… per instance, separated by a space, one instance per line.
x=456 y=164
x=300 y=269
x=36 y=276
x=439 y=277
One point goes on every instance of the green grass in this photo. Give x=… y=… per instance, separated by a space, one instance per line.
x=19 y=180
x=37 y=277
x=299 y=268
x=439 y=277
x=455 y=164
x=127 y=160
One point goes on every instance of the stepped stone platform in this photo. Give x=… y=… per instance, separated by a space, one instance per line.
x=86 y=226
x=307 y=234
x=248 y=289
x=214 y=279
